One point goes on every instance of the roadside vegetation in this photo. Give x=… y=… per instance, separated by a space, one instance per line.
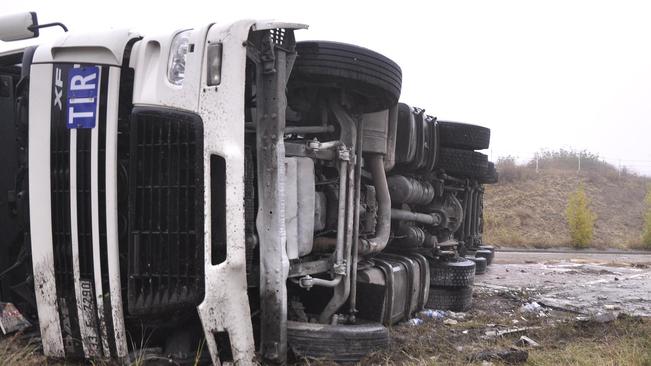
x=527 y=207
x=646 y=236
x=580 y=219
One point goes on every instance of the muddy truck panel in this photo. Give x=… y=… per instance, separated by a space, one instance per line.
x=224 y=193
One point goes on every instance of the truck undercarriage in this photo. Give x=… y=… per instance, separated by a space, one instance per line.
x=232 y=187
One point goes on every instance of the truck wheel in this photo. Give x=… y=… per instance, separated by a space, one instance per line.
x=340 y=343
x=480 y=264
x=373 y=78
x=464 y=135
x=490 y=174
x=487 y=247
x=446 y=298
x=485 y=253
x=464 y=163
x=453 y=273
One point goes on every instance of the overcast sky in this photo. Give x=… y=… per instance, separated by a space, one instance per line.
x=540 y=74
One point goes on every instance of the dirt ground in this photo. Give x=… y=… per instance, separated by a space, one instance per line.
x=580 y=309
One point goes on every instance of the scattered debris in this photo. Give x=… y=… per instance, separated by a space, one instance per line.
x=431 y=314
x=611 y=307
x=450 y=322
x=509 y=355
x=604 y=317
x=11 y=320
x=559 y=305
x=415 y=322
x=458 y=316
x=496 y=333
x=532 y=307
x=525 y=341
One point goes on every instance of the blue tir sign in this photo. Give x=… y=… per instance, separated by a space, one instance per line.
x=82 y=97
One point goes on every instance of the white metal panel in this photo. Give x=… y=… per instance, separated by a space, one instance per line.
x=226 y=304
x=106 y=48
x=40 y=210
x=151 y=86
x=112 y=247
x=94 y=211
x=274 y=24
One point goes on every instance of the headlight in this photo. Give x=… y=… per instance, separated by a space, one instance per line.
x=178 y=54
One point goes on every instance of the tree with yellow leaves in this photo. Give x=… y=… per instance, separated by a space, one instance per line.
x=580 y=218
x=646 y=235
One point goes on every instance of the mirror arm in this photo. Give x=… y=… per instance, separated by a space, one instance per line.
x=39 y=26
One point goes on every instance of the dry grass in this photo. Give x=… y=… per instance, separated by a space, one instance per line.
x=563 y=341
x=529 y=212
x=15 y=350
x=626 y=341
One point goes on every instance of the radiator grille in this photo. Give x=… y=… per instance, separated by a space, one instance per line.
x=61 y=232
x=166 y=219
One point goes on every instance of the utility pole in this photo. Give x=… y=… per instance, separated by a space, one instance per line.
x=536 y=163
x=579 y=163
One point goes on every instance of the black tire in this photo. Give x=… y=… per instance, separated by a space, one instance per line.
x=489 y=176
x=480 y=264
x=462 y=163
x=374 y=78
x=485 y=253
x=456 y=272
x=464 y=135
x=487 y=247
x=341 y=343
x=446 y=298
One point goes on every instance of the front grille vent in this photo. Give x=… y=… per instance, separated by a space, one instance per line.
x=166 y=219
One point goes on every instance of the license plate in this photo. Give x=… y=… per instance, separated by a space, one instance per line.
x=82 y=94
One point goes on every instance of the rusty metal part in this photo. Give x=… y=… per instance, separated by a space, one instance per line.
x=408 y=190
x=383 y=228
x=356 y=217
x=271 y=78
x=309 y=129
x=433 y=219
x=307 y=268
x=342 y=290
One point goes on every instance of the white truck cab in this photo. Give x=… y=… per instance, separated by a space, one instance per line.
x=225 y=185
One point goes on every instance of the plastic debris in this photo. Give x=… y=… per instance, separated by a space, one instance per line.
x=532 y=307
x=458 y=316
x=525 y=341
x=604 y=317
x=11 y=320
x=415 y=322
x=494 y=333
x=431 y=314
x=450 y=322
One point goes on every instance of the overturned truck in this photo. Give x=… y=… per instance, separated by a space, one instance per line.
x=228 y=186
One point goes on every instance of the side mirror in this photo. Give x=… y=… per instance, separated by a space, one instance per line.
x=15 y=27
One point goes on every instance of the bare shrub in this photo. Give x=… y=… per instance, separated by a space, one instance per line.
x=569 y=160
x=509 y=170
